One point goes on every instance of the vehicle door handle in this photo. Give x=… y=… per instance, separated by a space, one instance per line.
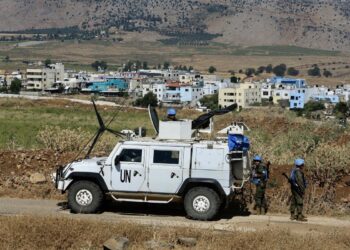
x=173 y=175
x=137 y=173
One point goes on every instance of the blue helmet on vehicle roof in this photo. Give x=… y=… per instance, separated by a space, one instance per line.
x=171 y=111
x=299 y=162
x=257 y=158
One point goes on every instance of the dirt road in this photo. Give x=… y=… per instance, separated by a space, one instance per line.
x=168 y=216
x=86 y=102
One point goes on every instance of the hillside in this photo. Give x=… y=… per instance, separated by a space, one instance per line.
x=308 y=23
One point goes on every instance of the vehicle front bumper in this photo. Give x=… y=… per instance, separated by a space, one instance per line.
x=58 y=179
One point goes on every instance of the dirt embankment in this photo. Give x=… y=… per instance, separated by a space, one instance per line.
x=26 y=174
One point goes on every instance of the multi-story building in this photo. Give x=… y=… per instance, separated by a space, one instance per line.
x=159 y=90
x=190 y=94
x=34 y=79
x=298 y=97
x=172 y=93
x=52 y=74
x=44 y=78
x=281 y=81
x=244 y=94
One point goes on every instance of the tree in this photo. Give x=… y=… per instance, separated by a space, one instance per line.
x=341 y=108
x=261 y=69
x=137 y=65
x=210 y=101
x=15 y=86
x=166 y=65
x=292 y=71
x=103 y=65
x=211 y=69
x=48 y=62
x=313 y=106
x=235 y=79
x=148 y=99
x=95 y=65
x=250 y=72
x=99 y=65
x=279 y=70
x=145 y=65
x=315 y=71
x=128 y=66
x=268 y=68
x=7 y=58
x=327 y=73
x=271 y=100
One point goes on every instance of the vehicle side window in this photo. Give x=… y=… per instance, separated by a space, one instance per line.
x=131 y=155
x=166 y=157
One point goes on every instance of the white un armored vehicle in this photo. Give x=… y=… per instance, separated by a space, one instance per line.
x=173 y=167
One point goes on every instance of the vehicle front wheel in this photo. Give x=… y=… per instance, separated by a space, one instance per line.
x=202 y=203
x=85 y=197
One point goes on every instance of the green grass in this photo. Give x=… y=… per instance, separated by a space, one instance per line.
x=20 y=121
x=282 y=50
x=85 y=52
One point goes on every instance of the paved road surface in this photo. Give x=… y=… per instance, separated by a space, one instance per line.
x=169 y=216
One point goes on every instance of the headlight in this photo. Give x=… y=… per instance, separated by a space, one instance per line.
x=53 y=177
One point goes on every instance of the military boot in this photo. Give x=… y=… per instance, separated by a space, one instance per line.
x=293 y=216
x=301 y=218
x=258 y=210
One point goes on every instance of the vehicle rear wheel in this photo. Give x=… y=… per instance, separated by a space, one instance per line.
x=202 y=203
x=85 y=197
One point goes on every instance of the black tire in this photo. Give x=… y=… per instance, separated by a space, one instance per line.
x=207 y=195
x=90 y=190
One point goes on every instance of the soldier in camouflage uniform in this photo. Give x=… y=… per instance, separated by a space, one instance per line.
x=298 y=186
x=259 y=178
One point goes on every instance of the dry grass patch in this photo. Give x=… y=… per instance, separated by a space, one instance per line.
x=26 y=232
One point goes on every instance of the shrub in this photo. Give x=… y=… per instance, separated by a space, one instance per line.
x=250 y=72
x=67 y=140
x=210 y=101
x=62 y=140
x=211 y=69
x=99 y=65
x=315 y=71
x=327 y=73
x=268 y=68
x=15 y=86
x=235 y=79
x=341 y=108
x=311 y=106
x=148 y=99
x=166 y=65
x=261 y=69
x=292 y=71
x=280 y=70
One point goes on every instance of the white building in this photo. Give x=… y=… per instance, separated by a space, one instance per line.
x=244 y=94
x=159 y=90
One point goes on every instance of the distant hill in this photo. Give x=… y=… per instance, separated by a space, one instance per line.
x=309 y=23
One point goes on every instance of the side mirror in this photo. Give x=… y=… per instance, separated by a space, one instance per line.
x=117 y=160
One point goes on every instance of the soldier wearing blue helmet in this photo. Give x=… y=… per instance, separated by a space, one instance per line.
x=298 y=186
x=259 y=179
x=171 y=115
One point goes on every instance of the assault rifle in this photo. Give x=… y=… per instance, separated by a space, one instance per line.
x=294 y=187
